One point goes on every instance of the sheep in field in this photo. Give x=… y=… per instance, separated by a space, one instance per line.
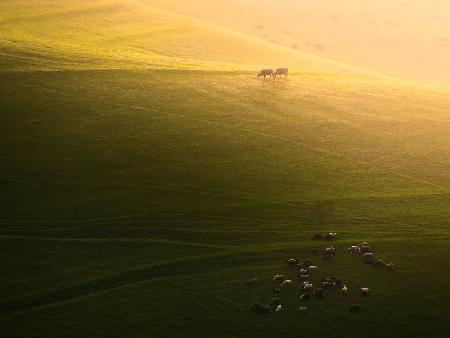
x=287 y=282
x=307 y=286
x=344 y=291
x=354 y=249
x=364 y=292
x=279 y=278
x=279 y=308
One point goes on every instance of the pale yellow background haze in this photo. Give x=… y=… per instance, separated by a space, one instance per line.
x=409 y=39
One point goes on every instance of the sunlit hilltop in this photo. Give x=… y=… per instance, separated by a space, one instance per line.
x=406 y=39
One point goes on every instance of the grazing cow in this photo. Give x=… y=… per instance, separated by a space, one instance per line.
x=313 y=267
x=260 y=308
x=364 y=292
x=279 y=308
x=354 y=249
x=355 y=308
x=287 y=282
x=252 y=281
x=318 y=293
x=265 y=73
x=279 y=278
x=344 y=291
x=305 y=298
x=281 y=71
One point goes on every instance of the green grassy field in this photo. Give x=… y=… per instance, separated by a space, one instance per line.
x=144 y=182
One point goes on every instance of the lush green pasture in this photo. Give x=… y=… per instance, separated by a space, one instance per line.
x=137 y=203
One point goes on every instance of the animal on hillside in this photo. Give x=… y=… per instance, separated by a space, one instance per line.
x=313 y=267
x=344 y=291
x=279 y=308
x=279 y=278
x=287 y=282
x=364 y=292
x=265 y=73
x=354 y=249
x=307 y=286
x=281 y=71
x=302 y=271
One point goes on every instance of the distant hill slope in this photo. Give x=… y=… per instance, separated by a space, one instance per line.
x=63 y=34
x=406 y=39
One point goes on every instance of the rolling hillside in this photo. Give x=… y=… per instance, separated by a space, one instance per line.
x=147 y=174
x=406 y=39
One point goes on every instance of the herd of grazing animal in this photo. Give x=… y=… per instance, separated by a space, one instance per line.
x=305 y=269
x=273 y=74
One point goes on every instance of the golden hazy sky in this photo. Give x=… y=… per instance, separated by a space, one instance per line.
x=403 y=38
